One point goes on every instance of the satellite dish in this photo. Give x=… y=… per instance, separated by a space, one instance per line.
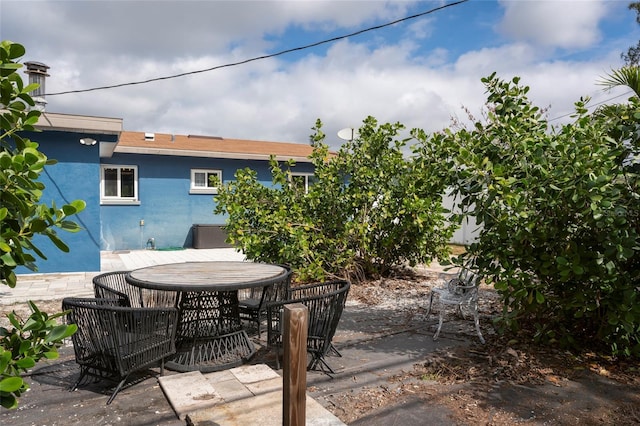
x=348 y=134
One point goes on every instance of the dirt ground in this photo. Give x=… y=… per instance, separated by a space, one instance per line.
x=500 y=383
x=504 y=381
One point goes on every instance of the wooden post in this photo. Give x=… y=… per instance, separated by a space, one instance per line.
x=294 y=369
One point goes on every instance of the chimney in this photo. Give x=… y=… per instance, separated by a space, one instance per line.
x=37 y=72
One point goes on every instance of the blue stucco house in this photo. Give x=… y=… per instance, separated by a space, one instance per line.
x=142 y=190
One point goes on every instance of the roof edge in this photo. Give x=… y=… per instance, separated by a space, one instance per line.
x=79 y=123
x=208 y=154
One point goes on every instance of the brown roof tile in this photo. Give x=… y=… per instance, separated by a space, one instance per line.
x=208 y=146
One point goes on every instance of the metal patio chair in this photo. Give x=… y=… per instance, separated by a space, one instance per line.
x=112 y=342
x=461 y=291
x=325 y=302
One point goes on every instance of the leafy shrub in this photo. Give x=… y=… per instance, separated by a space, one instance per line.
x=21 y=215
x=559 y=216
x=369 y=210
x=23 y=345
x=21 y=218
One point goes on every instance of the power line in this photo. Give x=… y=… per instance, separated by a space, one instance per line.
x=246 y=61
x=592 y=106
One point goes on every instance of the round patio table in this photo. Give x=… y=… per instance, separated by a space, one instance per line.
x=209 y=335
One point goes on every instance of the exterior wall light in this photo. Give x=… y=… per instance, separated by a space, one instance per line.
x=88 y=141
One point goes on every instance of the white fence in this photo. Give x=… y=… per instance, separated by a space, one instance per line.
x=468 y=230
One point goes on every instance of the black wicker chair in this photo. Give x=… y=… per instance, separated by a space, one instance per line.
x=113 y=285
x=325 y=302
x=253 y=301
x=114 y=341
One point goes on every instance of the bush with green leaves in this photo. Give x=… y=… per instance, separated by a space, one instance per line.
x=21 y=163
x=559 y=211
x=370 y=209
x=23 y=345
x=22 y=217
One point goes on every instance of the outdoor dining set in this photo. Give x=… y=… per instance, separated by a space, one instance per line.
x=195 y=316
x=199 y=316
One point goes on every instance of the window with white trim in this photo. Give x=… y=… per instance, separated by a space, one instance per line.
x=118 y=184
x=303 y=180
x=204 y=181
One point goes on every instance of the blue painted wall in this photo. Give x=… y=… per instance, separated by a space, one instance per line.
x=75 y=176
x=166 y=207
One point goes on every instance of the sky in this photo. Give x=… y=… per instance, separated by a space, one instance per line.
x=422 y=72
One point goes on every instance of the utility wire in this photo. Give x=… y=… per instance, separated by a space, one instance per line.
x=592 y=106
x=246 y=61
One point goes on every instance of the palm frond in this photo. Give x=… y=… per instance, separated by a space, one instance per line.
x=625 y=76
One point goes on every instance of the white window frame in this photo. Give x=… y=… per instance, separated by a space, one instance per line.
x=199 y=189
x=306 y=177
x=118 y=199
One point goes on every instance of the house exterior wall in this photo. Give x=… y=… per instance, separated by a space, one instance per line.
x=76 y=176
x=167 y=208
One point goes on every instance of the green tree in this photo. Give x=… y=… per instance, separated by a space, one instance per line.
x=369 y=210
x=559 y=217
x=22 y=217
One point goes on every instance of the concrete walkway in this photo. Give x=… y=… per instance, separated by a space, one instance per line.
x=78 y=284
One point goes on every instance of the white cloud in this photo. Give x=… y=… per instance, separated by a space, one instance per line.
x=391 y=75
x=422 y=29
x=557 y=23
x=484 y=61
